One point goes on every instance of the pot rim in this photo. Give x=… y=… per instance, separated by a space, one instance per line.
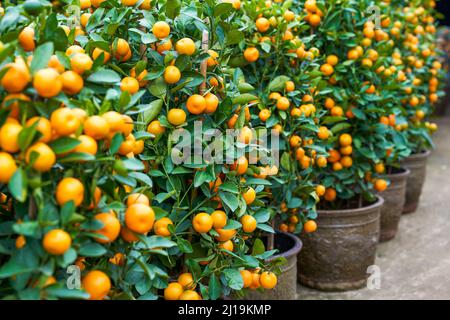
x=419 y=155
x=292 y=251
x=405 y=172
x=349 y=212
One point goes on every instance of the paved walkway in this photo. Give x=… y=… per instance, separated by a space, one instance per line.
x=416 y=264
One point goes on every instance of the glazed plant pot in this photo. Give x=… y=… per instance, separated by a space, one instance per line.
x=394 y=201
x=286 y=288
x=417 y=164
x=337 y=255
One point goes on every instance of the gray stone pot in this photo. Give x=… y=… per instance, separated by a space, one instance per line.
x=394 y=200
x=417 y=164
x=337 y=255
x=286 y=288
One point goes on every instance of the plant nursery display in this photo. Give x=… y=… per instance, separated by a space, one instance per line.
x=204 y=150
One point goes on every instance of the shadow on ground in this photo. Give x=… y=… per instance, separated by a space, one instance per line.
x=416 y=264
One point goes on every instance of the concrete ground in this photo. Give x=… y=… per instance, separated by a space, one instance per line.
x=415 y=264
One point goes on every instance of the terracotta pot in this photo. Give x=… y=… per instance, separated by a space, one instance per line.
x=286 y=289
x=337 y=255
x=394 y=201
x=417 y=164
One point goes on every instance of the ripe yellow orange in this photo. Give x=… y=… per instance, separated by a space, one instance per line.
x=225 y=234
x=128 y=145
x=97 y=52
x=72 y=82
x=9 y=137
x=248 y=223
x=255 y=281
x=139 y=218
x=202 y=222
x=186 y=280
x=73 y=50
x=81 y=62
x=212 y=60
x=46 y=157
x=97 y=284
x=12 y=102
x=47 y=82
x=330 y=194
x=246 y=277
x=161 y=227
x=196 y=104
x=127 y=126
x=176 y=116
x=69 y=189
x=345 y=140
x=320 y=190
x=380 y=185
x=115 y=121
x=43 y=126
x=64 y=121
x=128 y=235
x=212 y=102
x=268 y=280
x=161 y=29
x=110 y=229
x=129 y=3
x=240 y=165
x=227 y=245
x=172 y=75
x=251 y=54
x=20 y=242
x=138 y=198
x=96 y=127
x=323 y=133
x=130 y=85
x=16 y=77
x=249 y=195
x=327 y=69
x=185 y=46
x=26 y=39
x=262 y=24
x=8 y=166
x=155 y=127
x=56 y=242
x=219 y=218
x=55 y=64
x=310 y=226
x=173 y=291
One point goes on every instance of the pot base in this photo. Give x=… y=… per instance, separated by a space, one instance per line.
x=332 y=286
x=411 y=207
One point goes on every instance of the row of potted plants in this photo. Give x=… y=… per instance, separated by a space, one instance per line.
x=117 y=164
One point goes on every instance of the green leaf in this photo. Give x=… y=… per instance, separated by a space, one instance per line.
x=265 y=227
x=18 y=185
x=229 y=187
x=229 y=199
x=153 y=242
x=278 y=84
x=153 y=111
x=77 y=157
x=158 y=88
x=173 y=8
x=92 y=250
x=41 y=57
x=67 y=211
x=27 y=228
x=184 y=245
x=104 y=76
x=215 y=288
x=244 y=98
x=234 y=279
x=64 y=145
x=258 y=247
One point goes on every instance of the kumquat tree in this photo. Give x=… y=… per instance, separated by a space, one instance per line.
x=179 y=150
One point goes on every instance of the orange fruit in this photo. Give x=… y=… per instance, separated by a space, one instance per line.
x=190 y=295
x=240 y=165
x=12 y=102
x=173 y=291
x=128 y=145
x=64 y=121
x=245 y=135
x=26 y=39
x=268 y=280
x=138 y=198
x=219 y=218
x=249 y=195
x=17 y=77
x=110 y=229
x=262 y=24
x=185 y=46
x=96 y=127
x=130 y=85
x=128 y=235
x=264 y=114
x=155 y=127
x=115 y=121
x=97 y=52
x=81 y=62
x=310 y=226
x=320 y=190
x=172 y=75
x=43 y=126
x=290 y=86
x=255 y=281
x=176 y=116
x=129 y=3
x=283 y=103
x=225 y=234
x=227 y=245
x=8 y=166
x=47 y=82
x=161 y=227
x=56 y=242
x=327 y=69
x=380 y=185
x=127 y=126
x=248 y=223
x=20 y=242
x=46 y=157
x=212 y=60
x=139 y=218
x=346 y=161
x=186 y=280
x=323 y=133
x=73 y=50
x=69 y=189
x=118 y=259
x=251 y=54
x=314 y=20
x=330 y=194
x=55 y=64
x=212 y=102
x=202 y=222
x=9 y=137
x=345 y=140
x=72 y=82
x=164 y=45
x=196 y=104
x=87 y=145
x=97 y=284
x=161 y=29
x=246 y=277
